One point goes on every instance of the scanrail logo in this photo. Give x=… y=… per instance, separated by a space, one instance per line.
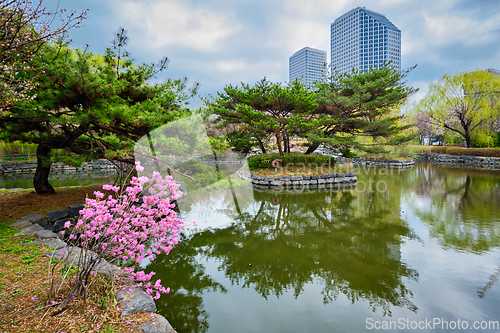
x=431 y=324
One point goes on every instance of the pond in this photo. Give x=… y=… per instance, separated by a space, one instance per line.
x=412 y=250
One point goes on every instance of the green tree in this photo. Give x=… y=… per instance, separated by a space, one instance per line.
x=463 y=102
x=24 y=27
x=266 y=109
x=360 y=103
x=93 y=105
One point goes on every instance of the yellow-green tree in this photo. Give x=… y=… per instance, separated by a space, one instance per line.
x=463 y=103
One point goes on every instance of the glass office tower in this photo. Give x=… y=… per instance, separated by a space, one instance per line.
x=363 y=39
x=307 y=65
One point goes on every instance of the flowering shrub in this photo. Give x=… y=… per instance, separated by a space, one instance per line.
x=126 y=226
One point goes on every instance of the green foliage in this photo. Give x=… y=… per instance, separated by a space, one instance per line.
x=90 y=104
x=264 y=109
x=463 y=103
x=265 y=160
x=203 y=174
x=218 y=143
x=361 y=103
x=240 y=141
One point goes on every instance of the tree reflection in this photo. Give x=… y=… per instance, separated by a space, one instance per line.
x=347 y=241
x=461 y=207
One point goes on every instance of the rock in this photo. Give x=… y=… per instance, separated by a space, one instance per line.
x=36 y=218
x=314 y=177
x=277 y=183
x=158 y=325
x=57 y=214
x=59 y=224
x=22 y=223
x=306 y=177
x=50 y=227
x=314 y=182
x=299 y=177
x=324 y=176
x=74 y=210
x=321 y=181
x=45 y=234
x=55 y=243
x=134 y=301
x=30 y=230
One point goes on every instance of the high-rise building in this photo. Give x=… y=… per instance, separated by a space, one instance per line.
x=363 y=39
x=307 y=65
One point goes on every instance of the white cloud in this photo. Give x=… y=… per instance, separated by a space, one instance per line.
x=164 y=23
x=450 y=29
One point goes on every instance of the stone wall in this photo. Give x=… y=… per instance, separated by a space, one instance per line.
x=492 y=163
x=299 y=180
x=29 y=167
x=385 y=163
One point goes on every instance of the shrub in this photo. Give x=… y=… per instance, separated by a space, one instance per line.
x=121 y=228
x=265 y=160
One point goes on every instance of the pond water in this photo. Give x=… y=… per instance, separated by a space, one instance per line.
x=416 y=250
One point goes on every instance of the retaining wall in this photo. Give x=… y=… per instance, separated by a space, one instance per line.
x=386 y=163
x=29 y=167
x=299 y=180
x=492 y=163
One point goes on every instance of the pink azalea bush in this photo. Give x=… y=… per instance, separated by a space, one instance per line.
x=123 y=227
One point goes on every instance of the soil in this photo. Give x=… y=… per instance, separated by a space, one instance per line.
x=16 y=204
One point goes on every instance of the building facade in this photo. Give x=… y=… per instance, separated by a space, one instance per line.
x=363 y=39
x=308 y=65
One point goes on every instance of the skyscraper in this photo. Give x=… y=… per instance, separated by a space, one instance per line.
x=307 y=65
x=363 y=39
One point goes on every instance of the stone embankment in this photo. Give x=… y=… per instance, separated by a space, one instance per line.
x=385 y=163
x=492 y=163
x=29 y=167
x=47 y=228
x=300 y=180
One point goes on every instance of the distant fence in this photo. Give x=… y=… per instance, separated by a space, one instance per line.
x=17 y=157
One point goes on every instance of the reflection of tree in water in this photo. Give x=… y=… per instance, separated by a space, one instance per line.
x=463 y=207
x=339 y=239
x=187 y=281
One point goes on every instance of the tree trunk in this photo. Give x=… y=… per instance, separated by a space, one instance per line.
x=261 y=145
x=286 y=141
x=468 y=139
x=312 y=148
x=41 y=178
x=278 y=142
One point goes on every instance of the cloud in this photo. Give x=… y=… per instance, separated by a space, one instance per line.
x=168 y=23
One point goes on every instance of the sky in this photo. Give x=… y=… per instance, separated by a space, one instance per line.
x=226 y=42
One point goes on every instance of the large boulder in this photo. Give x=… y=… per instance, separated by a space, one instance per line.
x=134 y=299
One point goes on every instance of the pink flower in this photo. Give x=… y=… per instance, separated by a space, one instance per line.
x=33 y=298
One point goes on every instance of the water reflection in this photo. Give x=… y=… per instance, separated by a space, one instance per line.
x=325 y=249
x=461 y=207
x=346 y=241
